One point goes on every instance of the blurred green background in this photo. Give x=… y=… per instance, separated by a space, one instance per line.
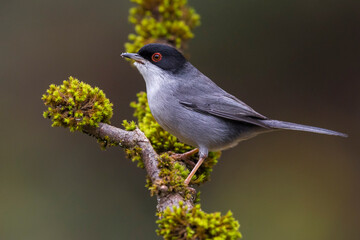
x=291 y=60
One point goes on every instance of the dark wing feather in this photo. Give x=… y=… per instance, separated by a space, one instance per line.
x=225 y=106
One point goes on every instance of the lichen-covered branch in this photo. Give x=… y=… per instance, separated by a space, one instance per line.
x=136 y=138
x=80 y=107
x=129 y=139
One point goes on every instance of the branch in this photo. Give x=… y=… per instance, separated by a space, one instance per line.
x=136 y=138
x=80 y=107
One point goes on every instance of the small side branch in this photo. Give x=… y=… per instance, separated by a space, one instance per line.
x=131 y=139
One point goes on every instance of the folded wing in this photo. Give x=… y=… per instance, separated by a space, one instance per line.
x=224 y=106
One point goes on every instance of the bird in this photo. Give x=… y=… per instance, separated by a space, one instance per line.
x=190 y=106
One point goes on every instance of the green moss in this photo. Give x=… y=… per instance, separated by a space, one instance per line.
x=135 y=155
x=164 y=142
x=153 y=188
x=129 y=126
x=197 y=197
x=181 y=223
x=173 y=175
x=106 y=142
x=167 y=21
x=75 y=104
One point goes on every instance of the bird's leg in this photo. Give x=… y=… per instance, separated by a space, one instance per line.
x=185 y=156
x=198 y=164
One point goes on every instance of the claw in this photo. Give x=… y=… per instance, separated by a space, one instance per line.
x=185 y=156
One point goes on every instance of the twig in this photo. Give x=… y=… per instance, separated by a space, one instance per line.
x=130 y=139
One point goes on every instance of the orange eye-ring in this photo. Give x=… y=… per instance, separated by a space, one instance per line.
x=156 y=57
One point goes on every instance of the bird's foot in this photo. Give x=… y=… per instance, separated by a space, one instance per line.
x=185 y=156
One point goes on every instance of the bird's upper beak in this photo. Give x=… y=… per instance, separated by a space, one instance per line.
x=134 y=56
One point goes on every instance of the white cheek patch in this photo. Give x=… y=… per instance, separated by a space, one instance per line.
x=153 y=76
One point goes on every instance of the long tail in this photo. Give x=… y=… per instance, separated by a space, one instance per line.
x=299 y=127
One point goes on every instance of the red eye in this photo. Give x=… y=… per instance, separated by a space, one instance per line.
x=156 y=57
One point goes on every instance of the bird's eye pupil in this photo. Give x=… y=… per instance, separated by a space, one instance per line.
x=156 y=57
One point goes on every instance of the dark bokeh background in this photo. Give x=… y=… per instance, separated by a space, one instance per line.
x=291 y=60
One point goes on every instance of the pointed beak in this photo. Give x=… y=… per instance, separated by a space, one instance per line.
x=134 y=56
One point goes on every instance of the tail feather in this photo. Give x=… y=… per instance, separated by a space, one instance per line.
x=299 y=127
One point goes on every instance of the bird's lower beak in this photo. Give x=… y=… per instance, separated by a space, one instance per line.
x=134 y=56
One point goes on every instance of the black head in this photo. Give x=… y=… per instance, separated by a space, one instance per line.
x=163 y=56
